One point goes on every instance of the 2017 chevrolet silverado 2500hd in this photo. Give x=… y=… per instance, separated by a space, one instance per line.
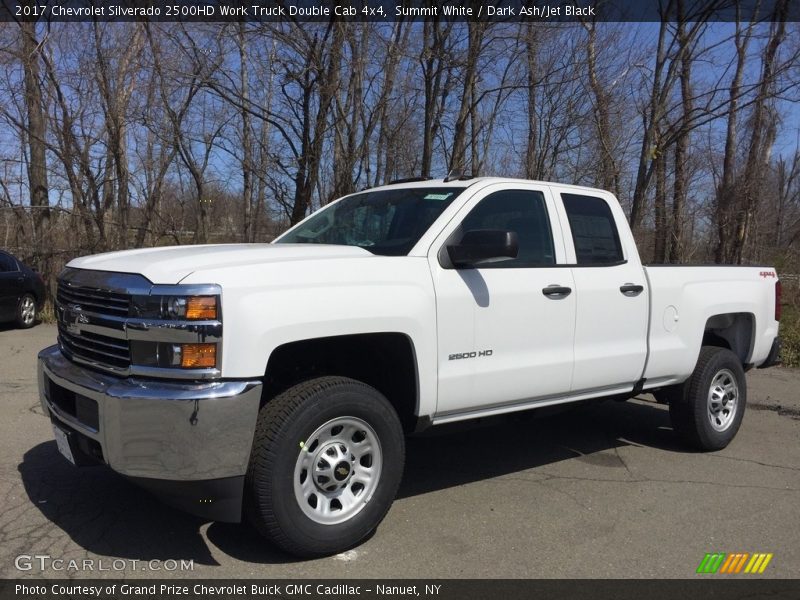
x=278 y=380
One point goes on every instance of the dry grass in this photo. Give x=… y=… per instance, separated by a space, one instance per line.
x=47 y=314
x=790 y=335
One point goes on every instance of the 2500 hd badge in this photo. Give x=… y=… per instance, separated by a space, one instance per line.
x=462 y=355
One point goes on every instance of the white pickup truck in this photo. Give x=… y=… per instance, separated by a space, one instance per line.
x=278 y=380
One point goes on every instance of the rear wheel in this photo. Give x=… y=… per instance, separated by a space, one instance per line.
x=26 y=311
x=707 y=410
x=326 y=464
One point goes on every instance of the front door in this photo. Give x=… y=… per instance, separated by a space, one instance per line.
x=505 y=333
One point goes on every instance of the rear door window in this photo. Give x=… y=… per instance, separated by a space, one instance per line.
x=594 y=231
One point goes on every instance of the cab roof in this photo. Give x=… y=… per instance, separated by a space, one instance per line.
x=468 y=182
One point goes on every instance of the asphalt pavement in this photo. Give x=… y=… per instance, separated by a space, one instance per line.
x=604 y=490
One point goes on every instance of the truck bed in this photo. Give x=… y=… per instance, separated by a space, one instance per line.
x=684 y=298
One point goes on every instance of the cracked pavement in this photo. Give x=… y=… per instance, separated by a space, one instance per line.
x=602 y=490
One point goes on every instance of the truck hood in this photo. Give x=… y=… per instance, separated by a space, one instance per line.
x=170 y=265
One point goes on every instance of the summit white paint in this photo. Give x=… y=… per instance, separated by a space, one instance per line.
x=594 y=342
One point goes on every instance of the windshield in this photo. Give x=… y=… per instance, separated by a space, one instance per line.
x=387 y=222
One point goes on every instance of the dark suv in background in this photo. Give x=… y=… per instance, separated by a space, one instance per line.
x=21 y=292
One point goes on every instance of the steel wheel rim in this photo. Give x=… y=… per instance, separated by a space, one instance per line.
x=28 y=310
x=337 y=470
x=723 y=400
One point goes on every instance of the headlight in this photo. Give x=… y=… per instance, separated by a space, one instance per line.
x=193 y=308
x=176 y=330
x=176 y=308
x=169 y=355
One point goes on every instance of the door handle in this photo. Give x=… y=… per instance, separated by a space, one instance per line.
x=631 y=289
x=556 y=291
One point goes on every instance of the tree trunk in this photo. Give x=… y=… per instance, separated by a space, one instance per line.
x=682 y=141
x=115 y=91
x=436 y=89
x=248 y=234
x=726 y=192
x=321 y=83
x=458 y=160
x=660 y=204
x=399 y=40
x=762 y=136
x=653 y=116
x=532 y=146
x=608 y=177
x=37 y=145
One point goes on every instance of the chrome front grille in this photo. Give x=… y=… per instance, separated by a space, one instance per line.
x=78 y=308
x=100 y=350
x=97 y=301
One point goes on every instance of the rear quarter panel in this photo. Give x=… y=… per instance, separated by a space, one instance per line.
x=682 y=301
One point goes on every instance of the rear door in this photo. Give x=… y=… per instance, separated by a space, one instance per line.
x=612 y=294
x=503 y=337
x=11 y=283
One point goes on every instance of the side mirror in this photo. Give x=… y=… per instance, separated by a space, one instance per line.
x=483 y=246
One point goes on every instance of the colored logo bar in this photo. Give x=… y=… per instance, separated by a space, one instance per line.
x=734 y=562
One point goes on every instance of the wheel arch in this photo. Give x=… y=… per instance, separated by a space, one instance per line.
x=386 y=361
x=734 y=331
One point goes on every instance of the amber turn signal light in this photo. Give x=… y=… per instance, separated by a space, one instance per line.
x=198 y=356
x=201 y=307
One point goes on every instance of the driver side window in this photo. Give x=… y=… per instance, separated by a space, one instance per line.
x=524 y=212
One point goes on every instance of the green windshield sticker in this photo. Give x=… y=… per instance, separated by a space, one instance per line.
x=437 y=196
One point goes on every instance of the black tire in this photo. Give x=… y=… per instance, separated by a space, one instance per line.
x=282 y=435
x=25 y=318
x=689 y=402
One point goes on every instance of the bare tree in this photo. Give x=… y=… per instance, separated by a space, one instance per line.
x=608 y=175
x=788 y=196
x=36 y=138
x=763 y=128
x=475 y=33
x=384 y=163
x=248 y=196
x=555 y=111
x=75 y=144
x=725 y=197
x=681 y=178
x=311 y=76
x=437 y=81
x=116 y=79
x=193 y=139
x=350 y=121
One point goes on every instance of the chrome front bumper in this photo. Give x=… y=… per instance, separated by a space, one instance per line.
x=162 y=430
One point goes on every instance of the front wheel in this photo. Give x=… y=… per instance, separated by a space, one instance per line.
x=326 y=463
x=708 y=408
